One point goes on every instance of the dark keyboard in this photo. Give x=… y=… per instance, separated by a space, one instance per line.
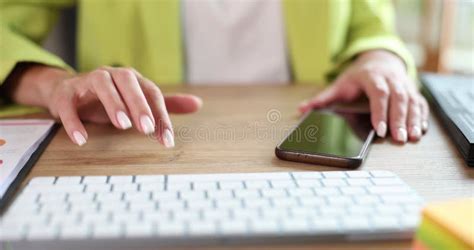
x=453 y=97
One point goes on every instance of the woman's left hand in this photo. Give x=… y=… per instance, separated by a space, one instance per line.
x=395 y=102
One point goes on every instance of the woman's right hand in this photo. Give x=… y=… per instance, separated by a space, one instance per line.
x=121 y=96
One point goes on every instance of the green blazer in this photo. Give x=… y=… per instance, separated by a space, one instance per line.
x=322 y=36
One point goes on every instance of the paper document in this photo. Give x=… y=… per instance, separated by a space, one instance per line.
x=19 y=139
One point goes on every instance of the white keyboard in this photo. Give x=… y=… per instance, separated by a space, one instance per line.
x=210 y=209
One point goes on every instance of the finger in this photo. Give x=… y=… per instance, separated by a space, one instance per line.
x=70 y=119
x=157 y=103
x=378 y=92
x=414 y=117
x=131 y=92
x=326 y=97
x=104 y=88
x=398 y=111
x=425 y=113
x=183 y=103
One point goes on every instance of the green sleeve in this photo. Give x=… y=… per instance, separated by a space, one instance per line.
x=23 y=26
x=372 y=26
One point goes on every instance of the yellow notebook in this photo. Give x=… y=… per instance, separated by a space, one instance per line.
x=448 y=223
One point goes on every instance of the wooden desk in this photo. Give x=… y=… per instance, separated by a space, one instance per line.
x=236 y=131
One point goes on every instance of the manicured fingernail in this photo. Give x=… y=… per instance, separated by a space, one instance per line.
x=123 y=120
x=303 y=103
x=402 y=134
x=147 y=124
x=424 y=125
x=79 y=138
x=416 y=131
x=168 y=139
x=382 y=129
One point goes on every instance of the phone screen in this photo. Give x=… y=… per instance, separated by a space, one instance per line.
x=330 y=133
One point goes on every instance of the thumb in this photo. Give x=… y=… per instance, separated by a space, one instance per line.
x=182 y=103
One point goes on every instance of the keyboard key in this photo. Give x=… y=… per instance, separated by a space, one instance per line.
x=125 y=187
x=75 y=232
x=307 y=175
x=309 y=183
x=283 y=184
x=385 y=223
x=326 y=191
x=158 y=186
x=253 y=184
x=109 y=197
x=174 y=228
x=142 y=179
x=334 y=174
x=334 y=182
x=120 y=179
x=326 y=225
x=234 y=227
x=94 y=179
x=164 y=195
x=215 y=215
x=94 y=218
x=274 y=193
x=207 y=185
x=359 y=182
x=102 y=231
x=139 y=230
x=313 y=201
x=231 y=185
x=285 y=202
x=46 y=180
x=176 y=186
x=292 y=225
x=366 y=199
x=264 y=227
x=358 y=174
x=352 y=190
x=356 y=223
x=68 y=180
x=300 y=192
x=248 y=193
x=381 y=173
x=219 y=194
x=137 y=196
x=98 y=188
x=256 y=203
x=203 y=228
x=81 y=197
x=192 y=195
x=200 y=204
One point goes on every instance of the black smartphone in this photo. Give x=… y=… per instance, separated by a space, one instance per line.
x=329 y=137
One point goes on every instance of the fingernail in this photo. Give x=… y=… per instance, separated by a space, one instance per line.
x=168 y=139
x=416 y=131
x=79 y=138
x=424 y=125
x=147 y=124
x=382 y=129
x=303 y=103
x=123 y=120
x=402 y=134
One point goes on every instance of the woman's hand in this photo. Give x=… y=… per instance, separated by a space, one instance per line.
x=121 y=96
x=393 y=96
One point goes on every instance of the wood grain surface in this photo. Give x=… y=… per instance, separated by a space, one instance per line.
x=236 y=131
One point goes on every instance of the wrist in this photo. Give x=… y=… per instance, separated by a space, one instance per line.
x=35 y=84
x=381 y=55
